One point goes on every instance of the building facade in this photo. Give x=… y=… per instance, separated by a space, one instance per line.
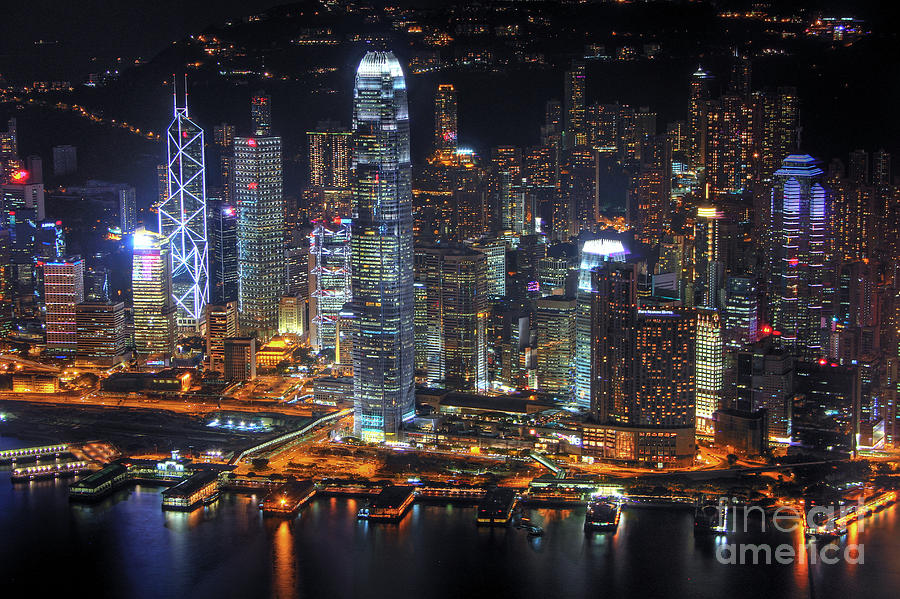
x=382 y=250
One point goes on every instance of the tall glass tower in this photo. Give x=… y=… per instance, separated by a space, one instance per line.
x=182 y=216
x=382 y=250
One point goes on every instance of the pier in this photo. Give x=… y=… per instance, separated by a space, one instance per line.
x=288 y=499
x=62 y=465
x=844 y=515
x=200 y=487
x=497 y=507
x=390 y=505
x=12 y=455
x=98 y=485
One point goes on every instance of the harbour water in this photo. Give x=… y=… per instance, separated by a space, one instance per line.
x=126 y=546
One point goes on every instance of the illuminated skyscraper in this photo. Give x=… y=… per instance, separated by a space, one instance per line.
x=182 y=217
x=151 y=286
x=797 y=238
x=594 y=253
x=574 y=132
x=382 y=249
x=329 y=156
x=445 y=128
x=453 y=280
x=221 y=323
x=709 y=367
x=260 y=231
x=63 y=288
x=555 y=317
x=696 y=127
x=709 y=254
x=261 y=114
x=100 y=333
x=223 y=252
x=329 y=252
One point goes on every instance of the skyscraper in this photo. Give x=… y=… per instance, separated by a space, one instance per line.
x=63 y=288
x=223 y=252
x=329 y=156
x=594 y=253
x=329 y=251
x=100 y=333
x=261 y=114
x=221 y=323
x=797 y=267
x=382 y=249
x=555 y=317
x=574 y=132
x=709 y=367
x=182 y=217
x=260 y=230
x=453 y=279
x=127 y=209
x=152 y=305
x=445 y=128
x=700 y=81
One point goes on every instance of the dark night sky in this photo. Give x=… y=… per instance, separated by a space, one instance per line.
x=105 y=29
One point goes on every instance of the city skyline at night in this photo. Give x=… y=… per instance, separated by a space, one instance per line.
x=428 y=298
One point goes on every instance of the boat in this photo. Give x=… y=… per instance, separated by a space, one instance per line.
x=363 y=513
x=535 y=531
x=602 y=514
x=710 y=518
x=211 y=499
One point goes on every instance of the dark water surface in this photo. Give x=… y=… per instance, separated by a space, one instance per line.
x=127 y=546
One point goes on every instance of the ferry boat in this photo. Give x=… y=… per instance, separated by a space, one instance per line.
x=834 y=523
x=603 y=514
x=710 y=518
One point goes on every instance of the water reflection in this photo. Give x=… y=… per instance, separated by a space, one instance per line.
x=284 y=560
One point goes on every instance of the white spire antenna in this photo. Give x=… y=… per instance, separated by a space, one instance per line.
x=185 y=96
x=174 y=94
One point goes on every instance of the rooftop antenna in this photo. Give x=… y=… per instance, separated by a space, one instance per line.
x=174 y=95
x=185 y=96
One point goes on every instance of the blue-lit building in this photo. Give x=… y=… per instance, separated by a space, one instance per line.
x=594 y=252
x=223 y=252
x=382 y=250
x=182 y=217
x=797 y=233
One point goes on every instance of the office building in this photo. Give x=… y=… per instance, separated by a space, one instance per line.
x=445 y=126
x=594 y=253
x=700 y=93
x=329 y=156
x=221 y=324
x=382 y=250
x=63 y=289
x=329 y=279
x=100 y=334
x=153 y=307
x=240 y=359
x=261 y=114
x=65 y=160
x=182 y=217
x=223 y=251
x=127 y=209
x=452 y=278
x=575 y=83
x=290 y=315
x=797 y=236
x=555 y=317
x=258 y=192
x=709 y=368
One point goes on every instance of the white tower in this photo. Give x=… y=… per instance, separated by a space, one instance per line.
x=182 y=218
